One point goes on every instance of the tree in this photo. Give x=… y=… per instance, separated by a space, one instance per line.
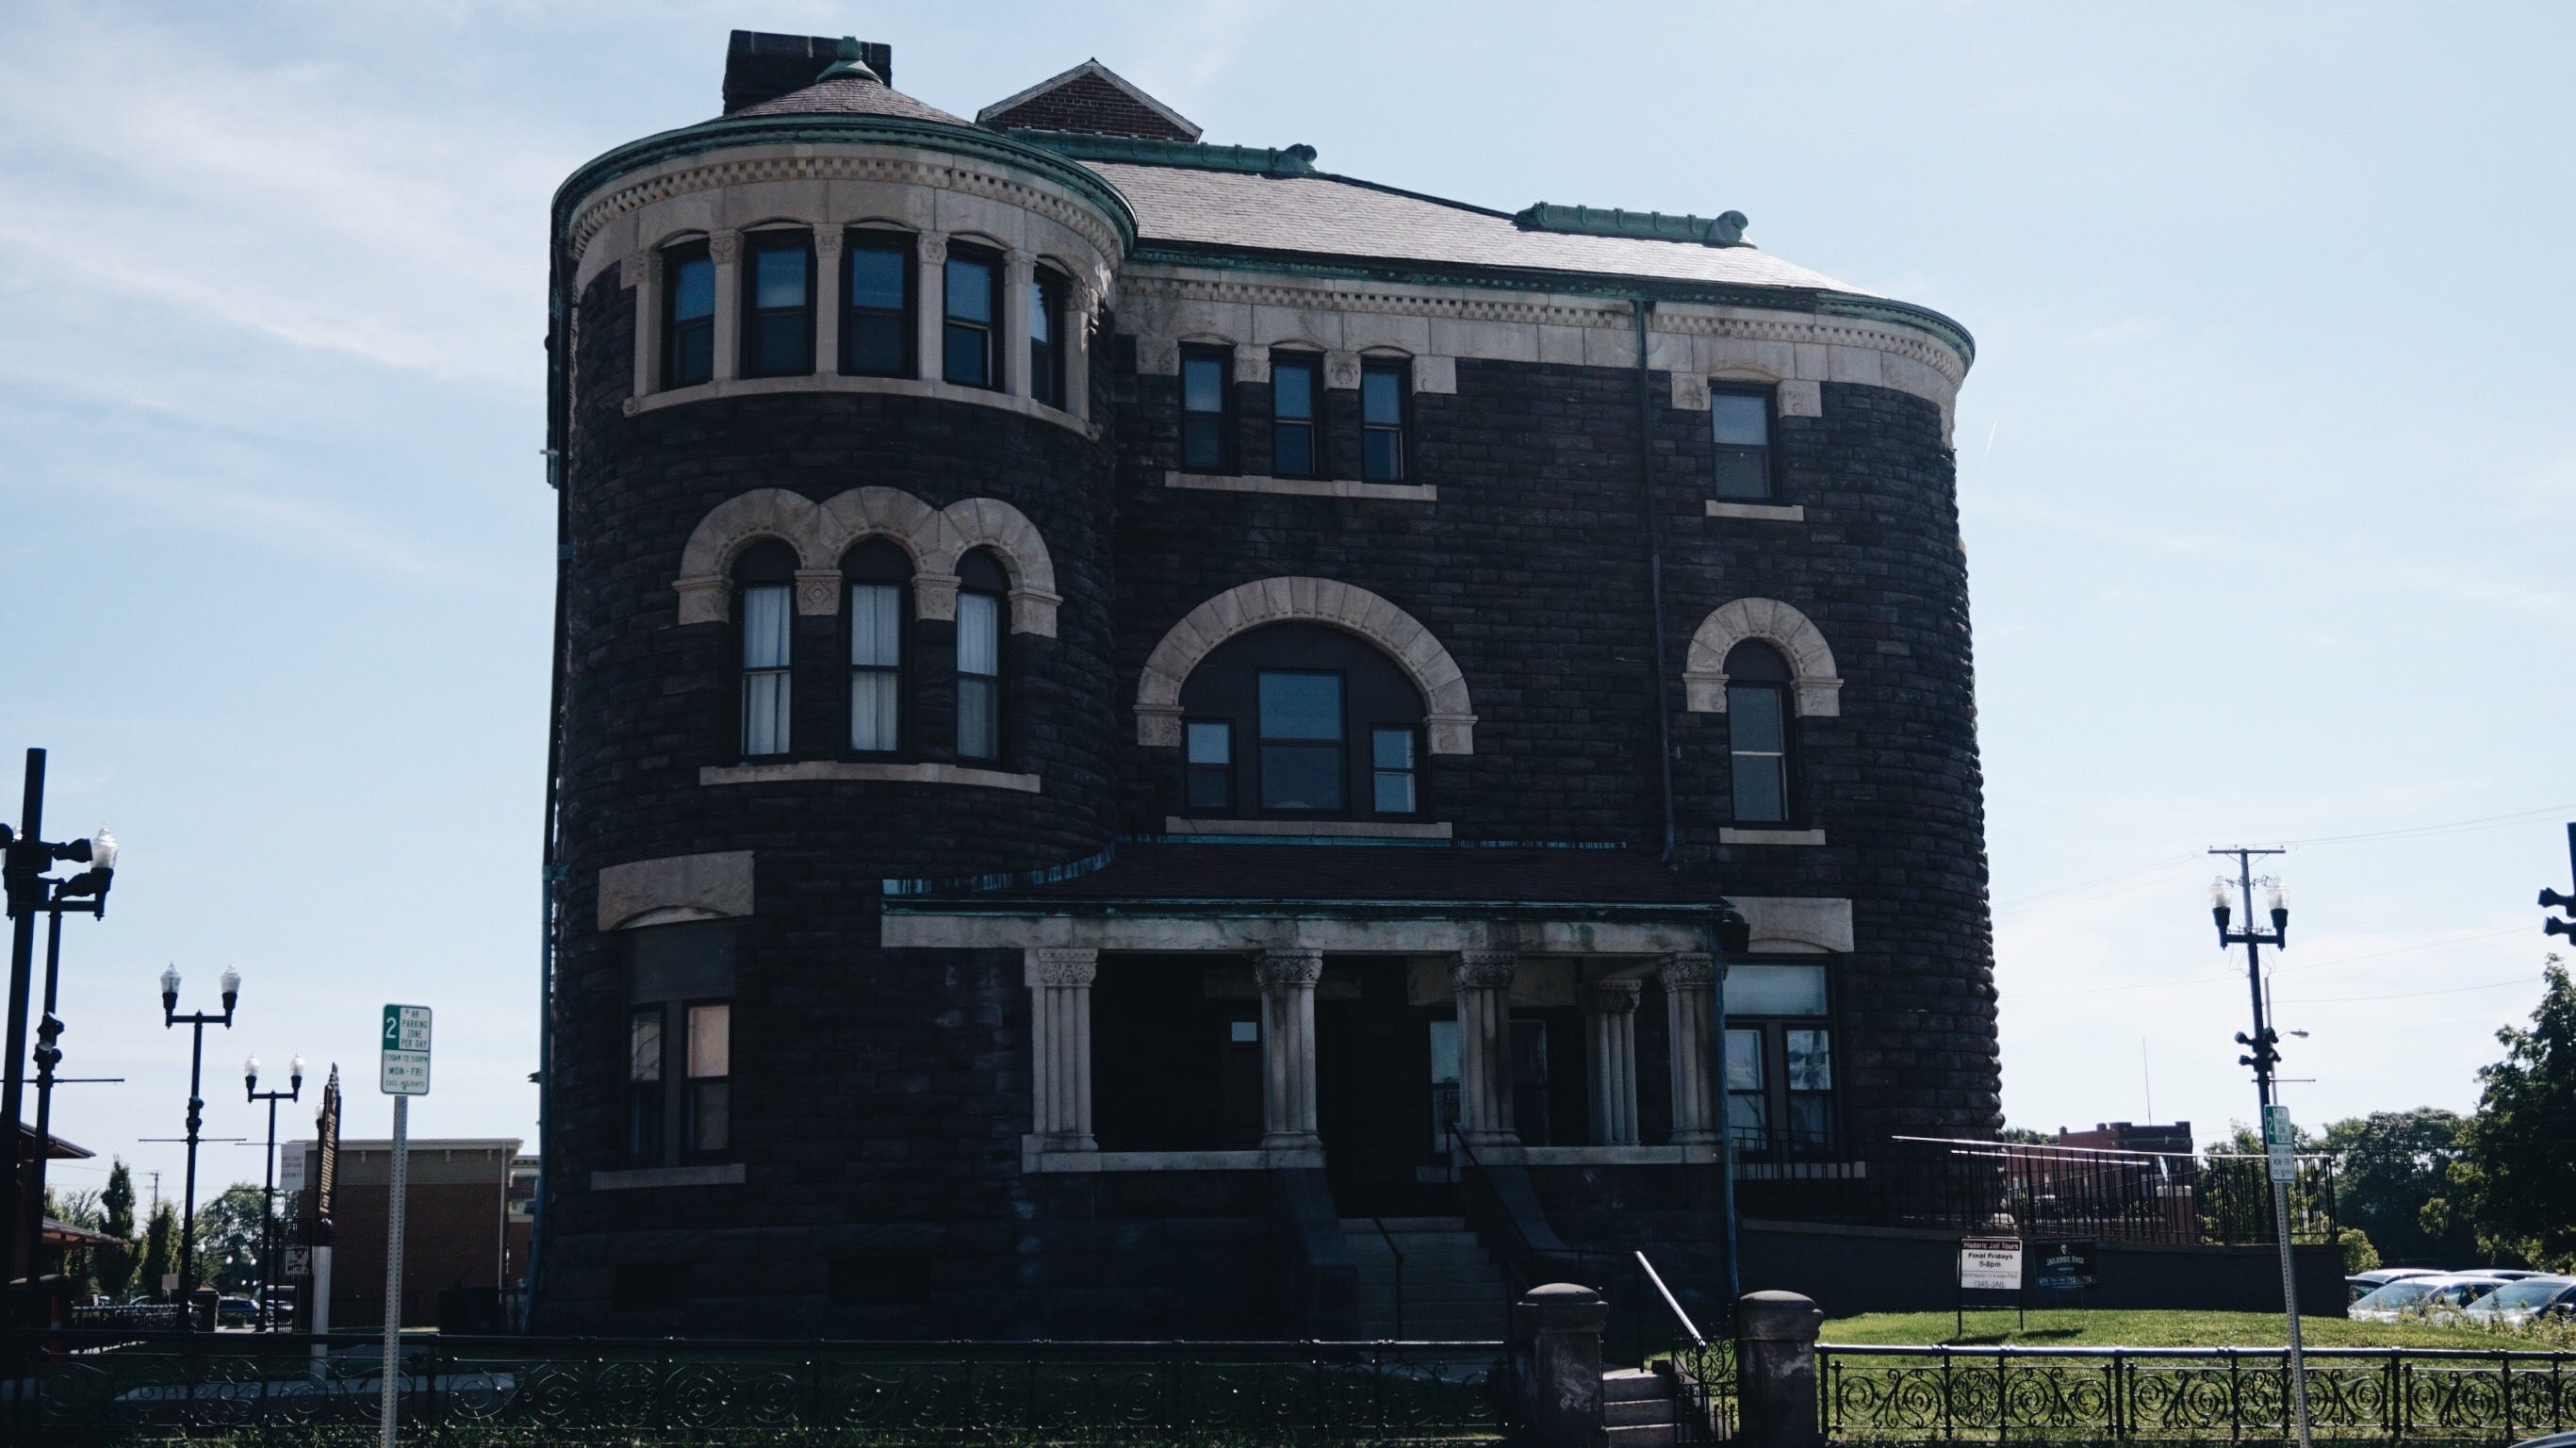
x=2388 y=1166
x=160 y=1248
x=2515 y=1182
x=76 y=1209
x=2027 y=1136
x=117 y=1262
x=228 y=1238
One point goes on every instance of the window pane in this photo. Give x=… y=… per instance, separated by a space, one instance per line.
x=693 y=290
x=875 y=712
x=1811 y=1116
x=1041 y=313
x=1742 y=475
x=876 y=624
x=644 y=1121
x=970 y=290
x=1203 y=443
x=978 y=718
x=1744 y=1113
x=1292 y=450
x=1753 y=718
x=764 y=713
x=1775 y=990
x=1301 y=706
x=644 y=1047
x=711 y=1040
x=876 y=345
x=1811 y=1060
x=876 y=277
x=1394 y=793
x=1202 y=385
x=1391 y=748
x=778 y=344
x=1740 y=419
x=1381 y=456
x=978 y=634
x=1444 y=1053
x=778 y=277
x=693 y=354
x=1381 y=397
x=1743 y=1060
x=1761 y=795
x=1301 y=776
x=709 y=1107
x=1211 y=743
x=1292 y=391
x=965 y=356
x=765 y=622
x=1208 y=788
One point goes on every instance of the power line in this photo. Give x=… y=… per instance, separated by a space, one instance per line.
x=2277 y=970
x=2411 y=994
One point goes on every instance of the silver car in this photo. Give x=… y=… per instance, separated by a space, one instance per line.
x=2422 y=1296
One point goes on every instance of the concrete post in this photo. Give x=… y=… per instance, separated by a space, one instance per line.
x=1059 y=983
x=1690 y=1014
x=1775 y=1370
x=724 y=248
x=1483 y=979
x=1011 y=346
x=1556 y=1366
x=1610 y=1049
x=1287 y=978
x=829 y=279
x=930 y=295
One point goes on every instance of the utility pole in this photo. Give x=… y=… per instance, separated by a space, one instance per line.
x=2263 y=1054
x=2551 y=899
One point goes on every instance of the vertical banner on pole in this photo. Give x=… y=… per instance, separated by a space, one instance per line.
x=403 y=1074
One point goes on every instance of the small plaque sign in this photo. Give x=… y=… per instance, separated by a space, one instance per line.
x=1990 y=1264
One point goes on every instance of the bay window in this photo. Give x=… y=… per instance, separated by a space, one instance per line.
x=972 y=317
x=876 y=320
x=688 y=305
x=778 y=304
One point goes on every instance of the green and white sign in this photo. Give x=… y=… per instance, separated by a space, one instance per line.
x=405 y=1070
x=2281 y=1143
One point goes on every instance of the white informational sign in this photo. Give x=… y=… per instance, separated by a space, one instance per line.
x=299 y=1261
x=169 y=1282
x=2281 y=1143
x=290 y=1170
x=406 y=1051
x=1990 y=1264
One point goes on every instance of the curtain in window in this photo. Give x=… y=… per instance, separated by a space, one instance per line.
x=767 y=619
x=876 y=667
x=979 y=667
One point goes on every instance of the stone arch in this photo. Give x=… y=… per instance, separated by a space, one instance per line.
x=1450 y=720
x=1811 y=662
x=822 y=532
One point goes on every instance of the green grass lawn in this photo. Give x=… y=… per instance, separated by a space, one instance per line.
x=2076 y=1328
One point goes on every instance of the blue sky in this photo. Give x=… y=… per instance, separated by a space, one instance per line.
x=2267 y=482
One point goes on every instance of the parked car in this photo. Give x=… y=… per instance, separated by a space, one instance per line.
x=2362 y=1284
x=2417 y=1296
x=235 y=1312
x=2523 y=1299
x=2509 y=1274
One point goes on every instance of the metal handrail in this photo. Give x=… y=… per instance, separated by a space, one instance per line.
x=1398 y=1254
x=1670 y=1305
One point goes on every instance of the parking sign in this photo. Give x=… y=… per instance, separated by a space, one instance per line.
x=406 y=1051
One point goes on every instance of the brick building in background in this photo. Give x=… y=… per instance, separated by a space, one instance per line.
x=1128 y=708
x=465 y=1252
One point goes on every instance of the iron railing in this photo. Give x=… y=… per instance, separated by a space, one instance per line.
x=1917 y=1394
x=103 y=1388
x=1702 y=1372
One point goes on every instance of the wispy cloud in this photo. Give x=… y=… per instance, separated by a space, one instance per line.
x=303 y=527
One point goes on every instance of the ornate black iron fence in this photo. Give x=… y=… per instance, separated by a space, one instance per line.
x=118 y=1388
x=1917 y=1394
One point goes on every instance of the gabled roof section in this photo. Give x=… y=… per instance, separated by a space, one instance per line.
x=1093 y=99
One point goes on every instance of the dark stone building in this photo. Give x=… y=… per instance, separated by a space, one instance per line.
x=1141 y=725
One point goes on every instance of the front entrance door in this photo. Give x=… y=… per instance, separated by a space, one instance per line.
x=1380 y=1094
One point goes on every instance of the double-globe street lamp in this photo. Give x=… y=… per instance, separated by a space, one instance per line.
x=25 y=858
x=231 y=983
x=268 y=1191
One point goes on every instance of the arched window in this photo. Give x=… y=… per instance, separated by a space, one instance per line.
x=1757 y=734
x=878 y=576
x=1299 y=720
x=765 y=601
x=688 y=314
x=980 y=588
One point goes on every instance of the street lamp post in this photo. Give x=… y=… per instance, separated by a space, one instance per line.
x=25 y=857
x=2263 y=1054
x=268 y=1191
x=87 y=890
x=231 y=984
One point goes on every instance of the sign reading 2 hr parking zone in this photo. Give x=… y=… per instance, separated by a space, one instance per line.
x=406 y=1051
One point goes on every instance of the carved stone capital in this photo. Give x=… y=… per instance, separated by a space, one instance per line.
x=1074 y=966
x=818 y=591
x=1019 y=268
x=636 y=269
x=1483 y=969
x=1251 y=364
x=1084 y=299
x=1611 y=997
x=934 y=595
x=827 y=242
x=932 y=247
x=1342 y=369
x=1690 y=392
x=1158 y=727
x=724 y=248
x=1289 y=968
x=1691 y=971
x=704 y=600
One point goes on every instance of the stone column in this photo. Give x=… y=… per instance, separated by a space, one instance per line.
x=1081 y=304
x=1610 y=1049
x=828 y=281
x=1484 y=984
x=724 y=248
x=1690 y=997
x=1060 y=1034
x=931 y=296
x=643 y=272
x=1775 y=1368
x=1287 y=978
x=1019 y=271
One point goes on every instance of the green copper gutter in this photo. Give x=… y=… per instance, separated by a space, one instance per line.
x=831 y=129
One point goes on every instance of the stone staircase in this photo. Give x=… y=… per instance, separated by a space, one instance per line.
x=1452 y=1290
x=1637 y=1407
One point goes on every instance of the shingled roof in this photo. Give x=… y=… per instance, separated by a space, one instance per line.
x=851 y=95
x=1091 y=99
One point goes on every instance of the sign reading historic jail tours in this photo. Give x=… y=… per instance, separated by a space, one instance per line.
x=1990 y=1264
x=2066 y=1265
x=406 y=1051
